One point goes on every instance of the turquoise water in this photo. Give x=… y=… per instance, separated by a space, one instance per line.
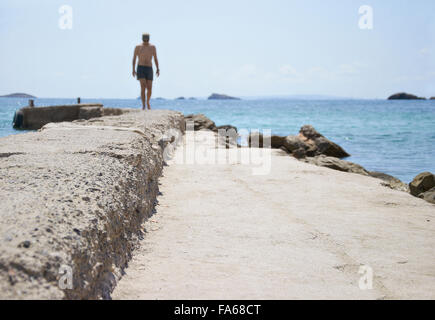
x=395 y=137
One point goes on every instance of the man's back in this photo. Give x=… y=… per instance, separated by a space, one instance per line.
x=145 y=52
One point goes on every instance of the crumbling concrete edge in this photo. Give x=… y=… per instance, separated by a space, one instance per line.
x=104 y=277
x=109 y=222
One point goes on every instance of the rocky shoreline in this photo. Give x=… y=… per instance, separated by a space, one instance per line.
x=312 y=147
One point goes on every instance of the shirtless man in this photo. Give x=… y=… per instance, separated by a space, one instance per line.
x=145 y=52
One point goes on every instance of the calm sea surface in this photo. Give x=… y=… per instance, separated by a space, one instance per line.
x=395 y=137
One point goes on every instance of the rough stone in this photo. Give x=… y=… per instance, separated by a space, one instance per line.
x=76 y=194
x=422 y=183
x=336 y=164
x=201 y=122
x=309 y=143
x=319 y=144
x=256 y=139
x=390 y=181
x=429 y=196
x=293 y=143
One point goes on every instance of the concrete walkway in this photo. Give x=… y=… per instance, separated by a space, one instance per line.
x=300 y=232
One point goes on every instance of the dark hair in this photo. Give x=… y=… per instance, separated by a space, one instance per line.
x=146 y=37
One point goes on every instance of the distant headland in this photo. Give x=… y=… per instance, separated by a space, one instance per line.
x=18 y=95
x=216 y=96
x=405 y=96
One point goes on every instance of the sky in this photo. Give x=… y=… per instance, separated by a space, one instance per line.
x=241 y=48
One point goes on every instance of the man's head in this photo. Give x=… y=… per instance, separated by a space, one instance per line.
x=146 y=37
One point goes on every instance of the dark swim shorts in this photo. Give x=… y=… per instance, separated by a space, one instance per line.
x=144 y=72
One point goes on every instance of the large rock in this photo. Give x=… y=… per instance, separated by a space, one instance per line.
x=297 y=147
x=405 y=96
x=309 y=143
x=432 y=98
x=390 y=181
x=201 y=122
x=255 y=139
x=336 y=164
x=277 y=141
x=292 y=143
x=422 y=183
x=319 y=144
x=429 y=196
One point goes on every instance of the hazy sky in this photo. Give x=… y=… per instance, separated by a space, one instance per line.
x=242 y=48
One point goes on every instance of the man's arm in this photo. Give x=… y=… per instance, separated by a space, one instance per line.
x=134 y=62
x=156 y=61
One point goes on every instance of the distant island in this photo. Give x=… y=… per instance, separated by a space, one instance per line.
x=181 y=98
x=18 y=95
x=404 y=96
x=216 y=96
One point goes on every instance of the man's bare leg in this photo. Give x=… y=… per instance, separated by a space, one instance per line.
x=143 y=86
x=149 y=92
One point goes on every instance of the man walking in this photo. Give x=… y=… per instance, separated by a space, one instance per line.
x=145 y=52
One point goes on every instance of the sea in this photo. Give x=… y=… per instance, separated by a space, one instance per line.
x=394 y=137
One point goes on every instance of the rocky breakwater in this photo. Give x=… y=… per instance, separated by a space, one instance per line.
x=308 y=146
x=74 y=197
x=312 y=147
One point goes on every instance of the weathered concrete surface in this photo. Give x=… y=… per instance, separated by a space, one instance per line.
x=36 y=117
x=76 y=194
x=300 y=232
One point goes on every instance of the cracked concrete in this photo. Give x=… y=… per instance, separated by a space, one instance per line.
x=300 y=232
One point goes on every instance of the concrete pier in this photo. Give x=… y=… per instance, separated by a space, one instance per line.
x=74 y=196
x=34 y=118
